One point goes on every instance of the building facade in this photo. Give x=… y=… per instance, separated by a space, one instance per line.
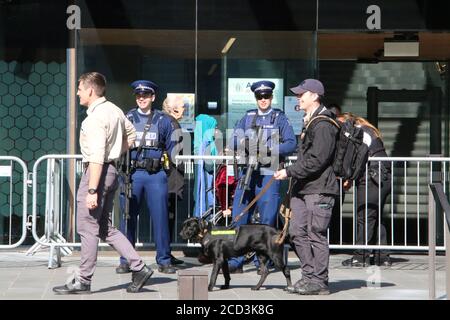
x=393 y=71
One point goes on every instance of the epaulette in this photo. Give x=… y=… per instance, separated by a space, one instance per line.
x=132 y=115
x=278 y=111
x=131 y=111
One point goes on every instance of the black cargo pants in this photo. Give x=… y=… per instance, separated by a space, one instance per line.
x=374 y=204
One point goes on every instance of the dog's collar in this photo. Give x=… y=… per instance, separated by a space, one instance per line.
x=202 y=234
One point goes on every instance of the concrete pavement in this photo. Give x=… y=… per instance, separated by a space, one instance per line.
x=27 y=277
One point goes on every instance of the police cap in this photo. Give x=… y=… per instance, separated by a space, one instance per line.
x=261 y=87
x=144 y=86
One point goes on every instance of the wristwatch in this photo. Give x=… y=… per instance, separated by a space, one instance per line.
x=92 y=191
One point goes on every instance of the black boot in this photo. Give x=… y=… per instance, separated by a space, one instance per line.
x=167 y=268
x=312 y=288
x=383 y=260
x=73 y=287
x=139 y=278
x=357 y=261
x=175 y=261
x=296 y=287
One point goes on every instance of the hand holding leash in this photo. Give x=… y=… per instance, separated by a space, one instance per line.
x=280 y=175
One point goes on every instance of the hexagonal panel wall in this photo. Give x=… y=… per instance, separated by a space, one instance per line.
x=26 y=102
x=32 y=119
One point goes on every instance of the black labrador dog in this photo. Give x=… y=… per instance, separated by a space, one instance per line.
x=247 y=238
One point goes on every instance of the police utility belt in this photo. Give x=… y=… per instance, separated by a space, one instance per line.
x=151 y=165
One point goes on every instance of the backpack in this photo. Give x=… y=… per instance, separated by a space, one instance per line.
x=351 y=153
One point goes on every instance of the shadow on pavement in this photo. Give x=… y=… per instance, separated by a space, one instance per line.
x=344 y=285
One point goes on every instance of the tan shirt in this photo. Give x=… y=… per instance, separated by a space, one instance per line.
x=105 y=132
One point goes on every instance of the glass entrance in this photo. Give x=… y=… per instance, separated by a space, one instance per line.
x=197 y=48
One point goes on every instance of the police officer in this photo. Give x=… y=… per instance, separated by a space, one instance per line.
x=277 y=141
x=149 y=180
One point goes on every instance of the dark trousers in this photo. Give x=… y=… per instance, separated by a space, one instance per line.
x=151 y=188
x=268 y=206
x=311 y=216
x=172 y=205
x=376 y=198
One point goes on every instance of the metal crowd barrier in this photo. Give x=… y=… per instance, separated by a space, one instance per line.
x=407 y=204
x=63 y=173
x=439 y=199
x=189 y=171
x=405 y=213
x=416 y=212
x=57 y=202
x=10 y=207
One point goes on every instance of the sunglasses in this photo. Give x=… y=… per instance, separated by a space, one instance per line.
x=260 y=96
x=143 y=95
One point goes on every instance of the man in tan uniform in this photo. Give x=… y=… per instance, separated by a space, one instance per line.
x=105 y=134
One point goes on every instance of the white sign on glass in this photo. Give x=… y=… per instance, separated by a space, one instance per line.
x=241 y=98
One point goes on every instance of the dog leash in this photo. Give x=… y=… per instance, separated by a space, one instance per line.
x=285 y=211
x=266 y=187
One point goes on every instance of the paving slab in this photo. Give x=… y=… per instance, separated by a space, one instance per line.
x=27 y=277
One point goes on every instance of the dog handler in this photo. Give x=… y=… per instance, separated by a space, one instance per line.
x=314 y=192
